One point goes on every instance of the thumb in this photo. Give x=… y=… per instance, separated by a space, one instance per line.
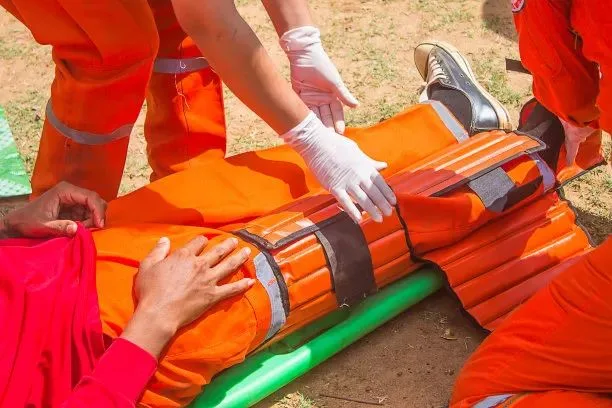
x=347 y=98
x=59 y=228
x=379 y=165
x=571 y=151
x=157 y=254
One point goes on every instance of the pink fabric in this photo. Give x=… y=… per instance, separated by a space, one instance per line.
x=51 y=331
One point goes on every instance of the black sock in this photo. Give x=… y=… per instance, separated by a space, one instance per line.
x=455 y=101
x=544 y=125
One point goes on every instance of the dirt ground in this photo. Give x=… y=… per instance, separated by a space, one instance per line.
x=406 y=363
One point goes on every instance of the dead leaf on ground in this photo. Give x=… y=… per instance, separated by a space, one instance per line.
x=449 y=335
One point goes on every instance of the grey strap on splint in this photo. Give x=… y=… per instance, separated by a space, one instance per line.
x=498 y=192
x=493 y=189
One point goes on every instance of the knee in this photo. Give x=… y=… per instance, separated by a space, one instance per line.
x=139 y=50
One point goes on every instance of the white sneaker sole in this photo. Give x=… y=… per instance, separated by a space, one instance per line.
x=421 y=57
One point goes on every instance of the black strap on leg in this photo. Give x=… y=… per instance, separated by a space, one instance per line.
x=349 y=260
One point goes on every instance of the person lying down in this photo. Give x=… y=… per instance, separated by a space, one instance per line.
x=183 y=278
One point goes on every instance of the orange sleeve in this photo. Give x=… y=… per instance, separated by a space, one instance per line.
x=564 y=81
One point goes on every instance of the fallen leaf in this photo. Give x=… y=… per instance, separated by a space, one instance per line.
x=449 y=335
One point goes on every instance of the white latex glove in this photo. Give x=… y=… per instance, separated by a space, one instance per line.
x=315 y=78
x=574 y=136
x=342 y=168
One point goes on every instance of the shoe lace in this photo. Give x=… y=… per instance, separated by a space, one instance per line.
x=436 y=71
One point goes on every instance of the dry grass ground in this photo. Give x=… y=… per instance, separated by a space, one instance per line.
x=406 y=362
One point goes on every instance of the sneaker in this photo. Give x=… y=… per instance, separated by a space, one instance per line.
x=442 y=64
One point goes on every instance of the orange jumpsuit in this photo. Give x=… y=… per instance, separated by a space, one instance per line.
x=555 y=350
x=566 y=46
x=552 y=352
x=108 y=55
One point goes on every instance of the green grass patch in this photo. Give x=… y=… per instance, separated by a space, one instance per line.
x=379 y=111
x=25 y=117
x=10 y=49
x=494 y=79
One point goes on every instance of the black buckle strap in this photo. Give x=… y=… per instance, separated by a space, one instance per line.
x=349 y=260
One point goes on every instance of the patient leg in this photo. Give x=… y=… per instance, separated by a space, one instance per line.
x=215 y=192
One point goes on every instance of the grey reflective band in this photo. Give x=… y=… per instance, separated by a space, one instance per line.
x=179 y=65
x=548 y=177
x=266 y=277
x=492 y=401
x=86 y=138
x=449 y=120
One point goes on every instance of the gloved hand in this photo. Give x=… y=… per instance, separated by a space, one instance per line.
x=315 y=78
x=342 y=168
x=574 y=136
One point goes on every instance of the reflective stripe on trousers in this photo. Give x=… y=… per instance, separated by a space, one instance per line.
x=179 y=65
x=493 y=401
x=266 y=277
x=86 y=138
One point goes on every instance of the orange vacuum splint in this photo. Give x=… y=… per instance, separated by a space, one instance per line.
x=482 y=208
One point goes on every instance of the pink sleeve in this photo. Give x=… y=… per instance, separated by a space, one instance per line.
x=118 y=379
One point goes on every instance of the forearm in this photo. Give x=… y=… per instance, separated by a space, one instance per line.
x=288 y=14
x=236 y=54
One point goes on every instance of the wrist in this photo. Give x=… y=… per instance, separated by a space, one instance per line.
x=300 y=38
x=150 y=330
x=304 y=133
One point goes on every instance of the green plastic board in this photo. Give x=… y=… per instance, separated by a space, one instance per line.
x=14 y=180
x=271 y=369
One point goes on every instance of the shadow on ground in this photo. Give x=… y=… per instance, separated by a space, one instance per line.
x=598 y=227
x=497 y=16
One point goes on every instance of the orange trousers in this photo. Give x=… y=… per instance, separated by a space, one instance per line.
x=552 y=352
x=565 y=44
x=108 y=56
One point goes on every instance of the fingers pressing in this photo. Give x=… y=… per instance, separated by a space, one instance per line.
x=157 y=254
x=347 y=205
x=213 y=256
x=234 y=288
x=366 y=203
x=230 y=264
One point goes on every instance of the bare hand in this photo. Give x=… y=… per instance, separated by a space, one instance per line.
x=175 y=290
x=54 y=213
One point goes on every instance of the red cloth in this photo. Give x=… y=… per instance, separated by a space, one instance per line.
x=118 y=380
x=52 y=334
